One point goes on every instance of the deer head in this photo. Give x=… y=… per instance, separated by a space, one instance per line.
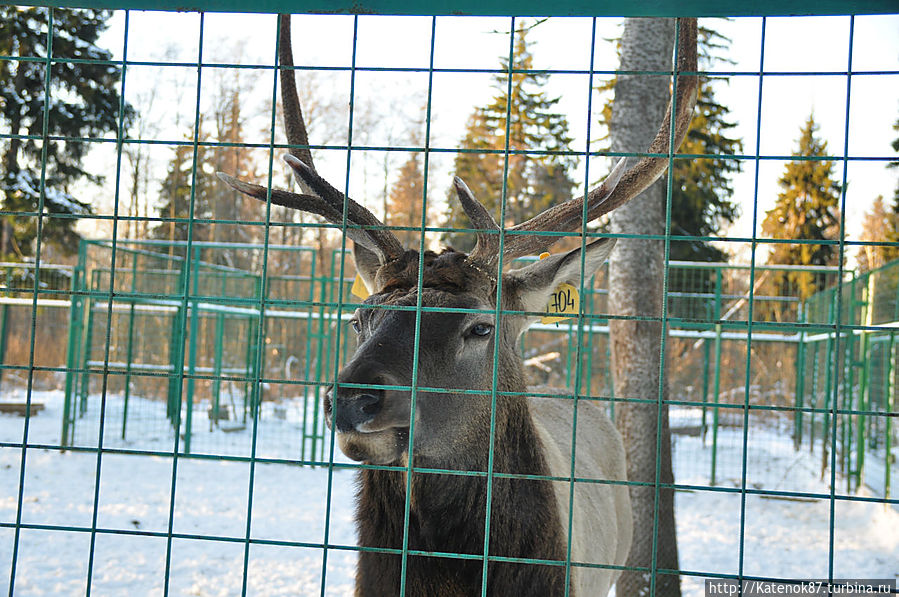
x=458 y=326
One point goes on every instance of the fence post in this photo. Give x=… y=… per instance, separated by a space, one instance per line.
x=309 y=434
x=830 y=379
x=259 y=394
x=717 y=386
x=864 y=391
x=800 y=379
x=4 y=331
x=250 y=384
x=84 y=388
x=890 y=404
x=76 y=318
x=890 y=400
x=194 y=314
x=848 y=383
x=217 y=363
x=706 y=349
x=814 y=398
x=589 y=290
x=130 y=344
x=176 y=346
x=4 y=324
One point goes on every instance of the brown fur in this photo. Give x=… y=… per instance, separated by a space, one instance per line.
x=448 y=512
x=447 y=271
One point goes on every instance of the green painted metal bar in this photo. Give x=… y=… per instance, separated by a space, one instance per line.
x=583 y=366
x=890 y=396
x=649 y=8
x=176 y=352
x=181 y=331
x=217 y=360
x=863 y=363
x=569 y=353
x=580 y=321
x=340 y=299
x=76 y=318
x=661 y=407
x=716 y=392
x=317 y=438
x=831 y=378
x=258 y=393
x=609 y=382
x=261 y=342
x=800 y=379
x=4 y=334
x=814 y=397
x=841 y=256
x=107 y=340
x=84 y=389
x=130 y=348
x=587 y=367
x=32 y=341
x=849 y=366
x=321 y=370
x=249 y=385
x=749 y=318
x=193 y=315
x=706 y=349
x=889 y=462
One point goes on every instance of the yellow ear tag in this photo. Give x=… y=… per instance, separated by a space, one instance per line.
x=359 y=289
x=564 y=302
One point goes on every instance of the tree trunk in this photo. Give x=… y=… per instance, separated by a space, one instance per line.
x=635 y=290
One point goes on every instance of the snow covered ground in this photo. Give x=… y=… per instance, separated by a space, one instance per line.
x=782 y=537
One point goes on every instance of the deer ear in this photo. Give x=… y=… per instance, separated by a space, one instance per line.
x=367 y=266
x=534 y=284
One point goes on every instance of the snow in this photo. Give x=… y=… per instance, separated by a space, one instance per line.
x=55 y=200
x=782 y=537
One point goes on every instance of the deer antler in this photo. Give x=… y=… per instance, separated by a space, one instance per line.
x=294 y=123
x=327 y=201
x=487 y=247
x=620 y=186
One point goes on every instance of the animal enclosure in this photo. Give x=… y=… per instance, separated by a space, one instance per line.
x=180 y=379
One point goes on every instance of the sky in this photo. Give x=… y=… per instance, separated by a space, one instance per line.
x=388 y=104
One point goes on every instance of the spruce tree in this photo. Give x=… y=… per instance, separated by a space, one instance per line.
x=534 y=181
x=404 y=202
x=84 y=103
x=807 y=208
x=895 y=164
x=880 y=224
x=175 y=192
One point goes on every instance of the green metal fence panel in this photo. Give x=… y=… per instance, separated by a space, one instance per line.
x=653 y=8
x=198 y=354
x=865 y=380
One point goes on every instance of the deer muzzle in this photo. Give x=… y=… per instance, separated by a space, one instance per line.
x=350 y=409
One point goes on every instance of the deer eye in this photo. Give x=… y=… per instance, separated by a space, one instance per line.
x=481 y=329
x=357 y=327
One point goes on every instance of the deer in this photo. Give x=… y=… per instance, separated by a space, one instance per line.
x=426 y=443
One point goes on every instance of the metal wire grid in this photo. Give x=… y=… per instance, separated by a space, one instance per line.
x=264 y=303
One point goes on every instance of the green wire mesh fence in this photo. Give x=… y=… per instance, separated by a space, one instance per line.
x=300 y=348
x=865 y=381
x=201 y=365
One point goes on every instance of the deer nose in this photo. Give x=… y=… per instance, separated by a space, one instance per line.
x=352 y=408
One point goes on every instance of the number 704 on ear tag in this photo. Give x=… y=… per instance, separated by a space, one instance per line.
x=563 y=303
